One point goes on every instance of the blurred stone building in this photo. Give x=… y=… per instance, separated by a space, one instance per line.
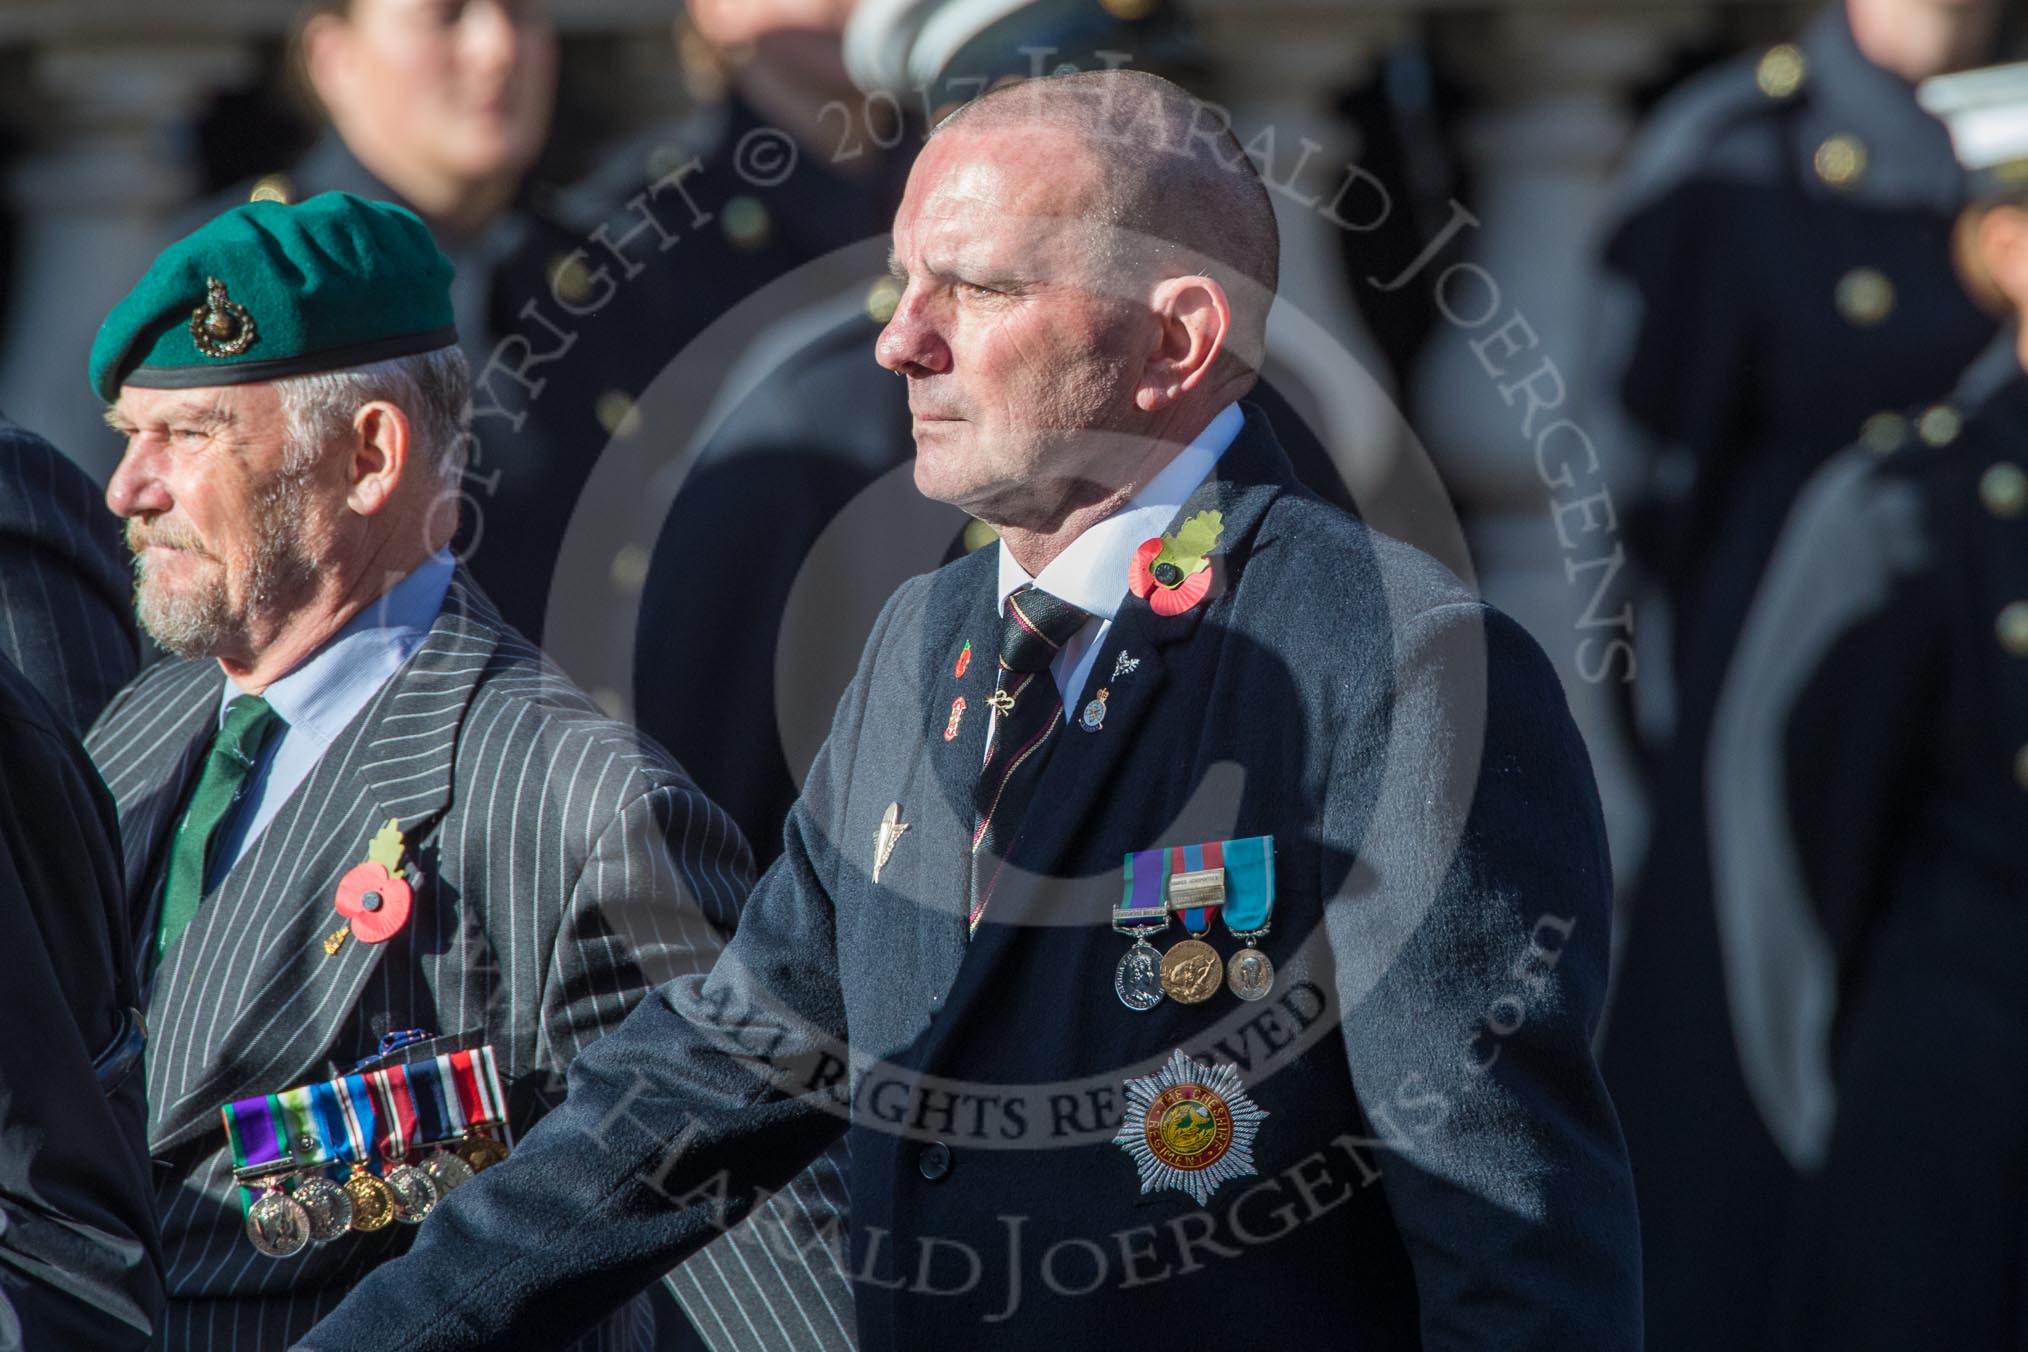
x=1439 y=165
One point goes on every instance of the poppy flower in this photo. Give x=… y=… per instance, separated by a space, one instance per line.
x=1166 y=597
x=375 y=902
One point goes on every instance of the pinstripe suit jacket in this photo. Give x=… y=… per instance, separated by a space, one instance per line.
x=568 y=865
x=66 y=602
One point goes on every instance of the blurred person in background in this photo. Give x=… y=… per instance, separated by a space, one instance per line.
x=80 y=1264
x=66 y=600
x=1779 y=283
x=1870 y=798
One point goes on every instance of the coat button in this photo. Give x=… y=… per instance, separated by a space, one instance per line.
x=1939 y=426
x=2004 y=489
x=934 y=1162
x=2013 y=629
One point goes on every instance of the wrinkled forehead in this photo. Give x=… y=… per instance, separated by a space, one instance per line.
x=210 y=405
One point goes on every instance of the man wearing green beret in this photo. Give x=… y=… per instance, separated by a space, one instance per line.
x=345 y=704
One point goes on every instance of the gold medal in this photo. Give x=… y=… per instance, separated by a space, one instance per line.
x=480 y=1152
x=1190 y=972
x=1250 y=973
x=372 y=1203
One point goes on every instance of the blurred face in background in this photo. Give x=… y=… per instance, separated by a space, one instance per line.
x=440 y=98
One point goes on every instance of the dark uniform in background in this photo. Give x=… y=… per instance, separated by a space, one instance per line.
x=66 y=598
x=1873 y=747
x=1779 y=274
x=80 y=1265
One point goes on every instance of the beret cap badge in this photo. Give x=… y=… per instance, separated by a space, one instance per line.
x=221 y=327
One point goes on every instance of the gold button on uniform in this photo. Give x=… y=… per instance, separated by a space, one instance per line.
x=747 y=223
x=569 y=279
x=881 y=300
x=1865 y=296
x=1884 y=433
x=630 y=568
x=2004 y=489
x=1841 y=161
x=1939 y=426
x=2012 y=626
x=616 y=413
x=1780 y=72
x=272 y=188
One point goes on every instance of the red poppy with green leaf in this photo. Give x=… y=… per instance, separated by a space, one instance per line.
x=1173 y=572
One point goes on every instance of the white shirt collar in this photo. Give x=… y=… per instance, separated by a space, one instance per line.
x=1092 y=572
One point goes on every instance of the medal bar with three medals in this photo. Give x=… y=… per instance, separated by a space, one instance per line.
x=1142 y=913
x=276 y=1223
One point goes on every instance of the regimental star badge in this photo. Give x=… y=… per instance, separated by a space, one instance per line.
x=891 y=830
x=1190 y=1127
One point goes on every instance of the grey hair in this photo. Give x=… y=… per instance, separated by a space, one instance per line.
x=433 y=388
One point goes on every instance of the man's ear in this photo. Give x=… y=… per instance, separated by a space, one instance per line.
x=324 y=43
x=379 y=456
x=1193 y=321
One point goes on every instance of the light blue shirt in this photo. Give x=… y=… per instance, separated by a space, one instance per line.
x=324 y=694
x=1091 y=573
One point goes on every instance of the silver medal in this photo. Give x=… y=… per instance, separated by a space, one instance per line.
x=1138 y=978
x=278 y=1225
x=446 y=1170
x=415 y=1196
x=1250 y=973
x=328 y=1206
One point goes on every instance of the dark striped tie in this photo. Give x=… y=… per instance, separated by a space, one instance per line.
x=1027 y=714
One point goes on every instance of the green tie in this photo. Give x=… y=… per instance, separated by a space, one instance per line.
x=249 y=721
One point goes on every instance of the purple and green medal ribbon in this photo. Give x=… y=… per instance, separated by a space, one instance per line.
x=1145 y=899
x=1249 y=865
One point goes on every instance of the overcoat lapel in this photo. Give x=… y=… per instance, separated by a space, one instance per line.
x=260 y=935
x=1086 y=766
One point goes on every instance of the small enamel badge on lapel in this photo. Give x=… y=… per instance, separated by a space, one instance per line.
x=373 y=896
x=957 y=717
x=1094 y=716
x=889 y=834
x=964 y=661
x=1173 y=572
x=1124 y=665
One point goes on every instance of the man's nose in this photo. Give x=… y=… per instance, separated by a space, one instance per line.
x=911 y=344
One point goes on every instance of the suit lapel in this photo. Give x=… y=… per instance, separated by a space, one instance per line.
x=1086 y=766
x=248 y=998
x=170 y=729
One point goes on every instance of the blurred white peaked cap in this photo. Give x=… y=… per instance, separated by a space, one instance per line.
x=1986 y=111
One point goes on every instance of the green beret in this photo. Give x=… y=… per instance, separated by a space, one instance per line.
x=268 y=290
